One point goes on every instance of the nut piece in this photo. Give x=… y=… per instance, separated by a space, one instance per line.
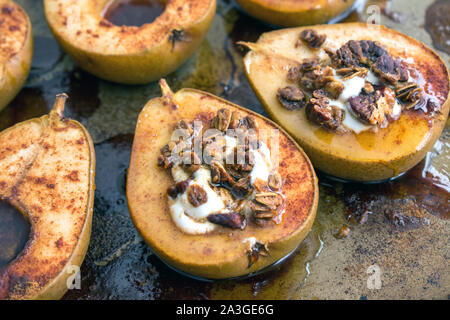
x=365 y=53
x=257 y=207
x=333 y=87
x=320 y=112
x=165 y=159
x=183 y=124
x=350 y=72
x=315 y=78
x=197 y=195
x=312 y=38
x=191 y=162
x=265 y=204
x=171 y=152
x=220 y=177
x=222 y=120
x=270 y=200
x=409 y=93
x=309 y=64
x=229 y=220
x=390 y=70
x=249 y=122
x=219 y=174
x=356 y=53
x=242 y=187
x=368 y=88
x=275 y=181
x=235 y=120
x=291 y=98
x=321 y=78
x=343 y=232
x=293 y=74
x=373 y=108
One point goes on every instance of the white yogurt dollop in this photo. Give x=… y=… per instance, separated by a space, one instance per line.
x=352 y=88
x=192 y=219
x=262 y=164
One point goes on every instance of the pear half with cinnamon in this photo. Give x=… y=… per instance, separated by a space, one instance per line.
x=199 y=208
x=16 y=50
x=47 y=173
x=365 y=102
x=127 y=53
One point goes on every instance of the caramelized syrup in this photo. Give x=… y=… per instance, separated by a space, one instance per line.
x=14 y=233
x=437 y=24
x=420 y=188
x=133 y=12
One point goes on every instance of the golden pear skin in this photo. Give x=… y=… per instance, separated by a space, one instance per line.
x=222 y=254
x=367 y=156
x=16 y=50
x=47 y=168
x=294 y=13
x=129 y=54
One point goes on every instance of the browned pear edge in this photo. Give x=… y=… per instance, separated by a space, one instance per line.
x=106 y=66
x=286 y=14
x=19 y=70
x=278 y=250
x=56 y=288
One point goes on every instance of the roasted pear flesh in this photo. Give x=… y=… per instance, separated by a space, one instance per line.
x=16 y=50
x=129 y=54
x=226 y=251
x=421 y=87
x=47 y=173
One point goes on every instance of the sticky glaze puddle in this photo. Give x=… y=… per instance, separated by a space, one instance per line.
x=133 y=12
x=400 y=226
x=437 y=24
x=14 y=233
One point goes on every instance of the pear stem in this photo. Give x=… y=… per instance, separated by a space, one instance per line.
x=59 y=105
x=165 y=87
x=167 y=93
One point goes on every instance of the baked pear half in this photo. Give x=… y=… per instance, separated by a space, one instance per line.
x=294 y=13
x=216 y=190
x=129 y=54
x=365 y=102
x=16 y=50
x=47 y=172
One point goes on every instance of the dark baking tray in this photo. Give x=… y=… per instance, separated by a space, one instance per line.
x=400 y=228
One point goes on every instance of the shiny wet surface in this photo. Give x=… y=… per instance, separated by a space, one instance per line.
x=133 y=12
x=437 y=24
x=400 y=226
x=14 y=233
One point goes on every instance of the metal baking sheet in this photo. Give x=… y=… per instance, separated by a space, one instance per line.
x=410 y=253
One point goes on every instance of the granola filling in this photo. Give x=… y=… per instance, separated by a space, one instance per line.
x=223 y=175
x=358 y=87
